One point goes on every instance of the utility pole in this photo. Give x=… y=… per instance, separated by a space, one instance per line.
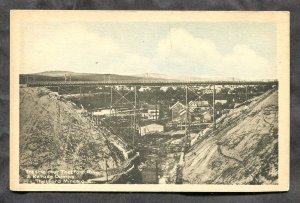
x=131 y=122
x=58 y=116
x=111 y=99
x=156 y=113
x=214 y=116
x=134 y=117
x=187 y=115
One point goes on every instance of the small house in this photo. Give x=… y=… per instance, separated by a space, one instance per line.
x=151 y=129
x=153 y=111
x=144 y=88
x=221 y=101
x=150 y=111
x=104 y=112
x=164 y=88
x=200 y=105
x=178 y=111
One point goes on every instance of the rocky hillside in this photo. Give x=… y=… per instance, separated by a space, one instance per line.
x=53 y=135
x=242 y=150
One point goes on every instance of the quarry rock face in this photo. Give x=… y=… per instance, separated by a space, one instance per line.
x=243 y=149
x=54 y=136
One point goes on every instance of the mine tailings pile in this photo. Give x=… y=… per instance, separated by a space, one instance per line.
x=243 y=149
x=53 y=136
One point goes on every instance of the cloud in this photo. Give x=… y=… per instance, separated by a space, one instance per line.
x=74 y=48
x=66 y=47
x=195 y=55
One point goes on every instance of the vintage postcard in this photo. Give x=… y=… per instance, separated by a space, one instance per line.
x=143 y=101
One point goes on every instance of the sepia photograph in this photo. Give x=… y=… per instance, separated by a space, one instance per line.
x=165 y=101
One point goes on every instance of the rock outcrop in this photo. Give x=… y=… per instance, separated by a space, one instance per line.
x=53 y=135
x=242 y=150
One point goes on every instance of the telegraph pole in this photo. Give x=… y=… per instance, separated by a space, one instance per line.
x=187 y=115
x=134 y=117
x=111 y=99
x=214 y=116
x=186 y=104
x=156 y=113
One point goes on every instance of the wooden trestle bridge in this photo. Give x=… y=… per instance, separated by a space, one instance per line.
x=156 y=83
x=147 y=83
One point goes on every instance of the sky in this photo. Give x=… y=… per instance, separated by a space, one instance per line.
x=230 y=49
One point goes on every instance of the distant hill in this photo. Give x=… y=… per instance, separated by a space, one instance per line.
x=58 y=73
x=60 y=76
x=210 y=78
x=155 y=76
x=184 y=78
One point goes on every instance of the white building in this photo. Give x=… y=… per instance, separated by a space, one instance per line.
x=150 y=129
x=104 y=112
x=221 y=101
x=144 y=88
x=164 y=88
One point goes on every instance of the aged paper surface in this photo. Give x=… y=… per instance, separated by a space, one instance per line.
x=149 y=101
